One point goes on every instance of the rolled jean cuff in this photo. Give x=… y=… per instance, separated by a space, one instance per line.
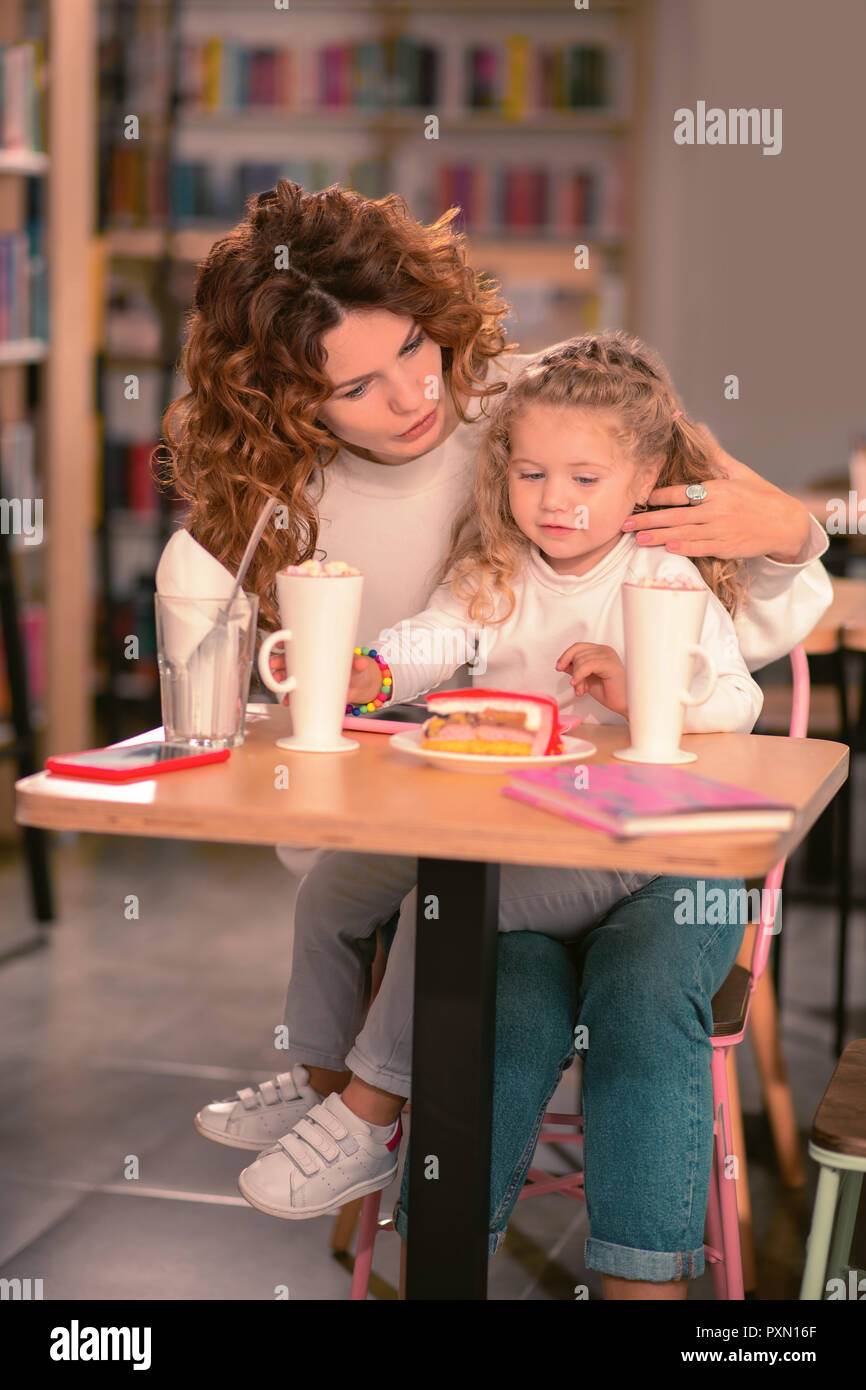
x=401 y=1226
x=496 y=1234
x=654 y=1266
x=331 y=1061
x=377 y=1076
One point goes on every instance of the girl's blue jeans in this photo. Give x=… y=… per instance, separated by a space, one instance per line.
x=641 y=983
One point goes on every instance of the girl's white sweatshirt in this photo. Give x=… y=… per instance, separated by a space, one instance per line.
x=552 y=611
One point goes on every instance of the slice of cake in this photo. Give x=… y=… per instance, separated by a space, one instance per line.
x=498 y=723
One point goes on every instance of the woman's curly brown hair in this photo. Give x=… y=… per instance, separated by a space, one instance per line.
x=611 y=372
x=246 y=428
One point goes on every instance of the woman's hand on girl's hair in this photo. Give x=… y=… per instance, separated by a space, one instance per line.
x=277 y=664
x=365 y=681
x=742 y=515
x=596 y=671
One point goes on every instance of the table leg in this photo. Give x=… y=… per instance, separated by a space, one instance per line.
x=452 y=1079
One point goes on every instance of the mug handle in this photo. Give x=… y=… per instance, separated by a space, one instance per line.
x=278 y=687
x=689 y=699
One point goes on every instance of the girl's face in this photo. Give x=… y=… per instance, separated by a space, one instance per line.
x=387 y=376
x=570 y=487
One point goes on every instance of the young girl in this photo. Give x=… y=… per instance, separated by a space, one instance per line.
x=535 y=568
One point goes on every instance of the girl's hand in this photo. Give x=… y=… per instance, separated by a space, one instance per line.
x=742 y=515
x=596 y=671
x=277 y=664
x=365 y=681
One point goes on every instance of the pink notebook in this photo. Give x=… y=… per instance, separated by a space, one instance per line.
x=646 y=800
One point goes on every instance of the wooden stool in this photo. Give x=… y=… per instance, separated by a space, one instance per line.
x=838 y=1144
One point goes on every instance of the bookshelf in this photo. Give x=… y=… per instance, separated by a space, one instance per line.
x=538 y=135
x=46 y=411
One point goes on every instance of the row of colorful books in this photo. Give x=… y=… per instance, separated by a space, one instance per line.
x=17 y=461
x=528 y=197
x=23 y=289
x=514 y=76
x=31 y=621
x=21 y=96
x=128 y=482
x=135 y=186
x=494 y=197
x=136 y=677
x=135 y=614
x=139 y=192
x=141 y=188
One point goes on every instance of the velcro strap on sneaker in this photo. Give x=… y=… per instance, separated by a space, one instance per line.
x=247 y=1097
x=314 y=1135
x=300 y=1153
x=286 y=1086
x=270 y=1094
x=344 y=1137
x=323 y=1116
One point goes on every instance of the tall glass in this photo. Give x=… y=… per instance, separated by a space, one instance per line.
x=204 y=668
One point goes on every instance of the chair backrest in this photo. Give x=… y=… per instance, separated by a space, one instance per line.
x=772 y=884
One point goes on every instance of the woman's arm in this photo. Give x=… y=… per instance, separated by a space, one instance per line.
x=746 y=517
x=784 y=602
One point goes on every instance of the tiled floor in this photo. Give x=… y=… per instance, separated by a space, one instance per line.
x=114 y=1035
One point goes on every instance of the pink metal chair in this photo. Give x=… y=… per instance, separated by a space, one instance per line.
x=731 y=1006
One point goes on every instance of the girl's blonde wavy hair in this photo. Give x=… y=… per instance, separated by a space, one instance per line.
x=612 y=372
x=247 y=429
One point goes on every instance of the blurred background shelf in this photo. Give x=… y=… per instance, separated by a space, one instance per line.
x=22 y=350
x=538 y=255
x=31 y=162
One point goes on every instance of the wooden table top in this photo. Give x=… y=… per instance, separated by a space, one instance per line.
x=378 y=800
x=845 y=620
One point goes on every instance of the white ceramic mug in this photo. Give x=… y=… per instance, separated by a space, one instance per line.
x=320 y=621
x=662 y=626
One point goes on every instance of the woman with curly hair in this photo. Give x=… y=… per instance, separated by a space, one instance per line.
x=334 y=351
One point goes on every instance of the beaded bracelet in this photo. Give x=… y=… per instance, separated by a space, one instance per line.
x=386 y=684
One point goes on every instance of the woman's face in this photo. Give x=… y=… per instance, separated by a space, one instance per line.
x=570 y=487
x=387 y=376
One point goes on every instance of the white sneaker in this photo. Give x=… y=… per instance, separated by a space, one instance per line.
x=254 y=1119
x=327 y=1159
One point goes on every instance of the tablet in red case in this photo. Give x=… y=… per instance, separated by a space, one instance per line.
x=131 y=761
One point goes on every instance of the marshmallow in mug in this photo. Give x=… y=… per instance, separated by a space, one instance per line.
x=315 y=569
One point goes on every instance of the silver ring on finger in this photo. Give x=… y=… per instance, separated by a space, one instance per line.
x=695 y=492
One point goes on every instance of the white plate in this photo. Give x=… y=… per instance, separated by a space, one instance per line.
x=576 y=749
